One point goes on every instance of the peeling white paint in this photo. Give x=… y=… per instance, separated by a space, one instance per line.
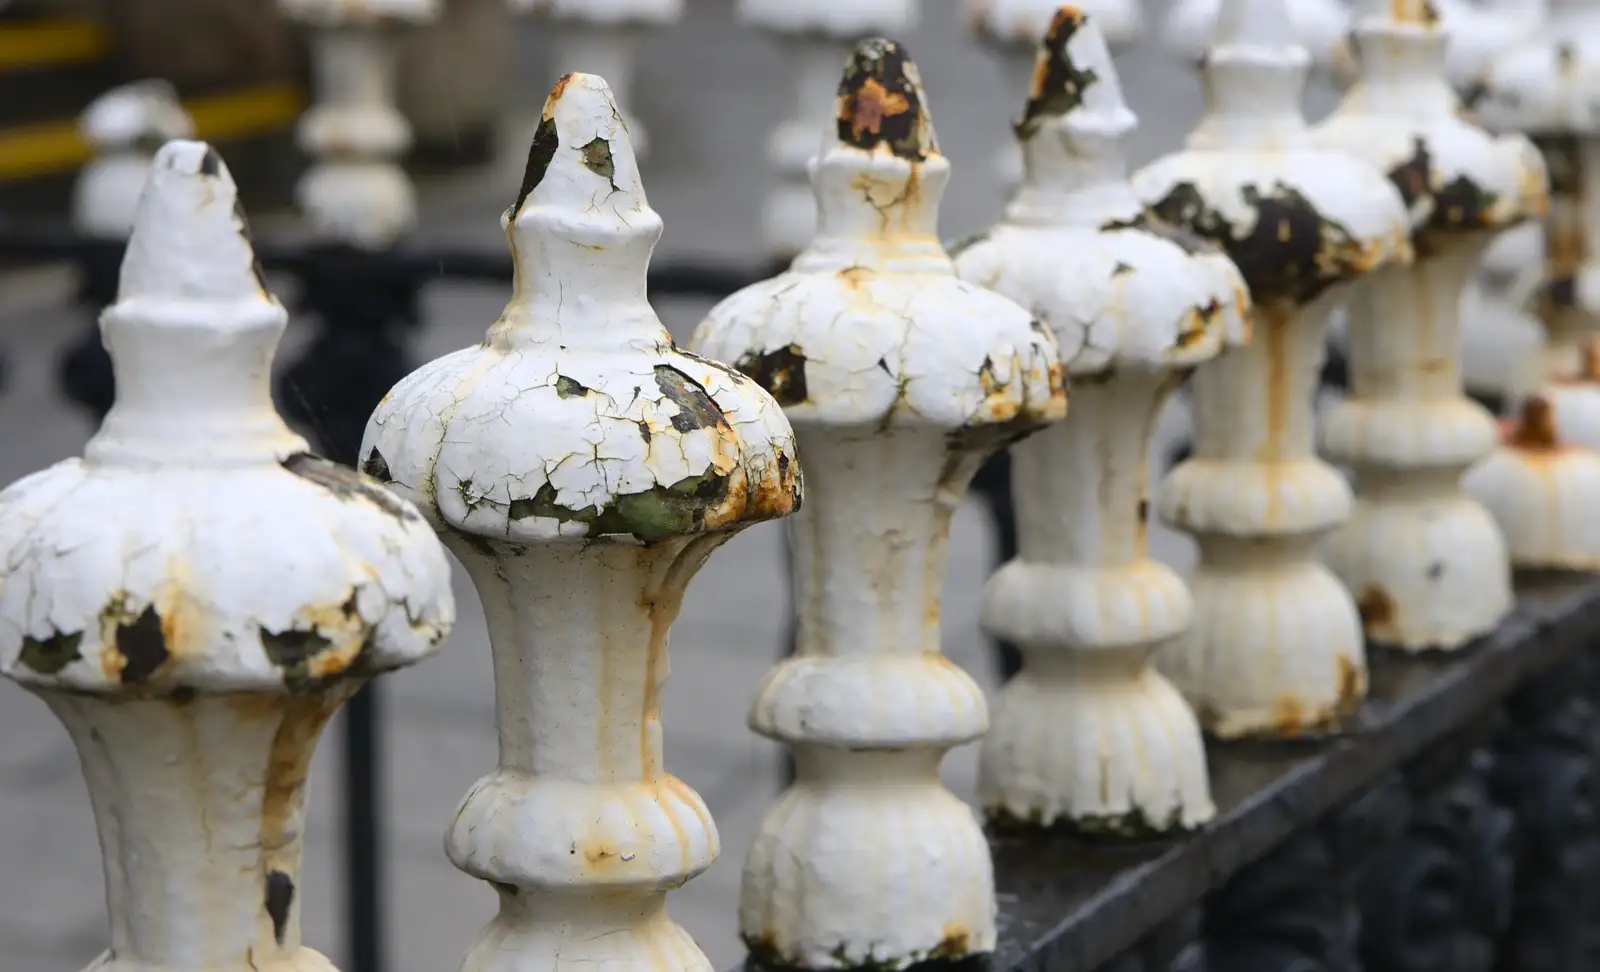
x=1011 y=31
x=900 y=380
x=1088 y=734
x=355 y=191
x=124 y=127
x=1276 y=646
x=816 y=36
x=196 y=596
x=1427 y=564
x=583 y=469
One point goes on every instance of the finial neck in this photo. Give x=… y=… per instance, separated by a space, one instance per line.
x=192 y=392
x=579 y=279
x=1403 y=67
x=876 y=209
x=1252 y=96
x=1075 y=169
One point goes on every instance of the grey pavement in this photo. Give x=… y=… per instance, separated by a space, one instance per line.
x=709 y=91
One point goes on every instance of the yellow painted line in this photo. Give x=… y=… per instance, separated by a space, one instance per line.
x=47 y=43
x=55 y=146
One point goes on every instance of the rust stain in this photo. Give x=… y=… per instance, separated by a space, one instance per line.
x=1288 y=717
x=555 y=95
x=1376 y=607
x=1534 y=430
x=302 y=719
x=954 y=942
x=1352 y=685
x=1276 y=320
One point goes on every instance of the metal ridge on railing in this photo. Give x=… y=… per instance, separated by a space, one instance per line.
x=1074 y=907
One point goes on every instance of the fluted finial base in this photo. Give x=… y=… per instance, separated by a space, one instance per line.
x=867 y=861
x=1426 y=575
x=1114 y=755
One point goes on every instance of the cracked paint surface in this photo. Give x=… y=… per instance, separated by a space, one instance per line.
x=547 y=431
x=197 y=596
x=1301 y=224
x=900 y=380
x=1428 y=564
x=1134 y=306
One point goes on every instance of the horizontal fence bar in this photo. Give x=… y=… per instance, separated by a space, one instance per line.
x=40 y=239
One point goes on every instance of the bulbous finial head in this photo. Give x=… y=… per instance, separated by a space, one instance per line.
x=190 y=240
x=577 y=420
x=1073 y=75
x=881 y=105
x=139 y=570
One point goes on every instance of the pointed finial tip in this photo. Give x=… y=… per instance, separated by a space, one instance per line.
x=580 y=110
x=881 y=102
x=1072 y=72
x=190 y=240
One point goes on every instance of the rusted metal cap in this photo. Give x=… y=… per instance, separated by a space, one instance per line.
x=198 y=546
x=577 y=420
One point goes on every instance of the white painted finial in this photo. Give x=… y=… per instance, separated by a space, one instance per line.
x=1276 y=647
x=582 y=469
x=197 y=597
x=1427 y=564
x=124 y=127
x=1088 y=737
x=900 y=380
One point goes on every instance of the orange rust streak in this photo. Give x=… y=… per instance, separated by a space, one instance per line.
x=1535 y=429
